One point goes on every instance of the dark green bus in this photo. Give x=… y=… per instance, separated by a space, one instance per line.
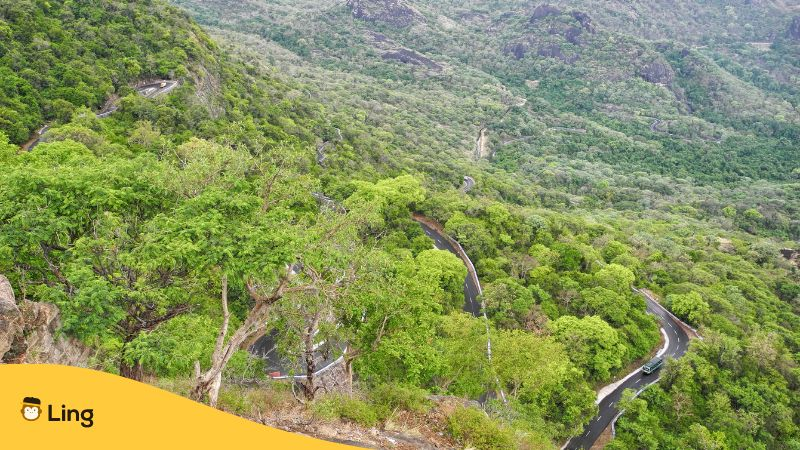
x=653 y=365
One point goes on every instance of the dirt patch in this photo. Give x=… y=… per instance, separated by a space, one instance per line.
x=726 y=245
x=791 y=255
x=605 y=437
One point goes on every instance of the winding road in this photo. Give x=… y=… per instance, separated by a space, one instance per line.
x=675 y=337
x=469 y=183
x=149 y=90
x=472 y=288
x=677 y=343
x=266 y=346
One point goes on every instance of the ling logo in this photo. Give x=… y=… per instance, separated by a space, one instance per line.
x=32 y=410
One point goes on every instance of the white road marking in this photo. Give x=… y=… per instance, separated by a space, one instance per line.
x=666 y=343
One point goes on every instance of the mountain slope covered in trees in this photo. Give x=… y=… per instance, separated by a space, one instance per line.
x=607 y=154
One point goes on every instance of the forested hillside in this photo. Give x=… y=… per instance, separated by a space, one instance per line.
x=617 y=120
x=610 y=148
x=58 y=57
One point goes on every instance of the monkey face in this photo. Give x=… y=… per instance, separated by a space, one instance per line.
x=30 y=412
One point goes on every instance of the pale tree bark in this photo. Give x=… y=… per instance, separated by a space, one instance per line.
x=349 y=357
x=207 y=384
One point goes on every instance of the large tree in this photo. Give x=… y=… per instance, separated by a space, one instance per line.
x=591 y=343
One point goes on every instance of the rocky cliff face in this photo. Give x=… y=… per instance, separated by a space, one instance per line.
x=397 y=13
x=29 y=333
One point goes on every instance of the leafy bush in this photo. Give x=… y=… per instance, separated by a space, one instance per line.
x=348 y=408
x=245 y=366
x=235 y=399
x=391 y=397
x=473 y=428
x=253 y=400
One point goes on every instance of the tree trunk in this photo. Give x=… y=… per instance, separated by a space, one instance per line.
x=309 y=390
x=207 y=384
x=348 y=368
x=134 y=372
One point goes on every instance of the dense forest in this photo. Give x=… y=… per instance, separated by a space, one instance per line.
x=608 y=154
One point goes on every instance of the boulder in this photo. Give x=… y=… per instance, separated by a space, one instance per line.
x=572 y=35
x=657 y=72
x=518 y=50
x=551 y=51
x=407 y=56
x=554 y=51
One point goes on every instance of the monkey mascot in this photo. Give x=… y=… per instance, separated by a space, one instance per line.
x=31 y=408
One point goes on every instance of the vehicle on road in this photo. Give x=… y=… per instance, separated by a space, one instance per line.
x=653 y=365
x=163 y=84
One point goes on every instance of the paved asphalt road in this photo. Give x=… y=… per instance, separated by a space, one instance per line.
x=155 y=89
x=469 y=183
x=265 y=348
x=471 y=289
x=678 y=344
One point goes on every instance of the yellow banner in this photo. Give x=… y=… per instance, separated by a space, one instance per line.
x=61 y=407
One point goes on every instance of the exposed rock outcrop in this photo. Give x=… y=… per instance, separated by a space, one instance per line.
x=398 y=13
x=791 y=255
x=657 y=72
x=572 y=35
x=554 y=51
x=11 y=324
x=544 y=10
x=518 y=50
x=29 y=333
x=408 y=56
x=794 y=29
x=574 y=27
x=585 y=20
